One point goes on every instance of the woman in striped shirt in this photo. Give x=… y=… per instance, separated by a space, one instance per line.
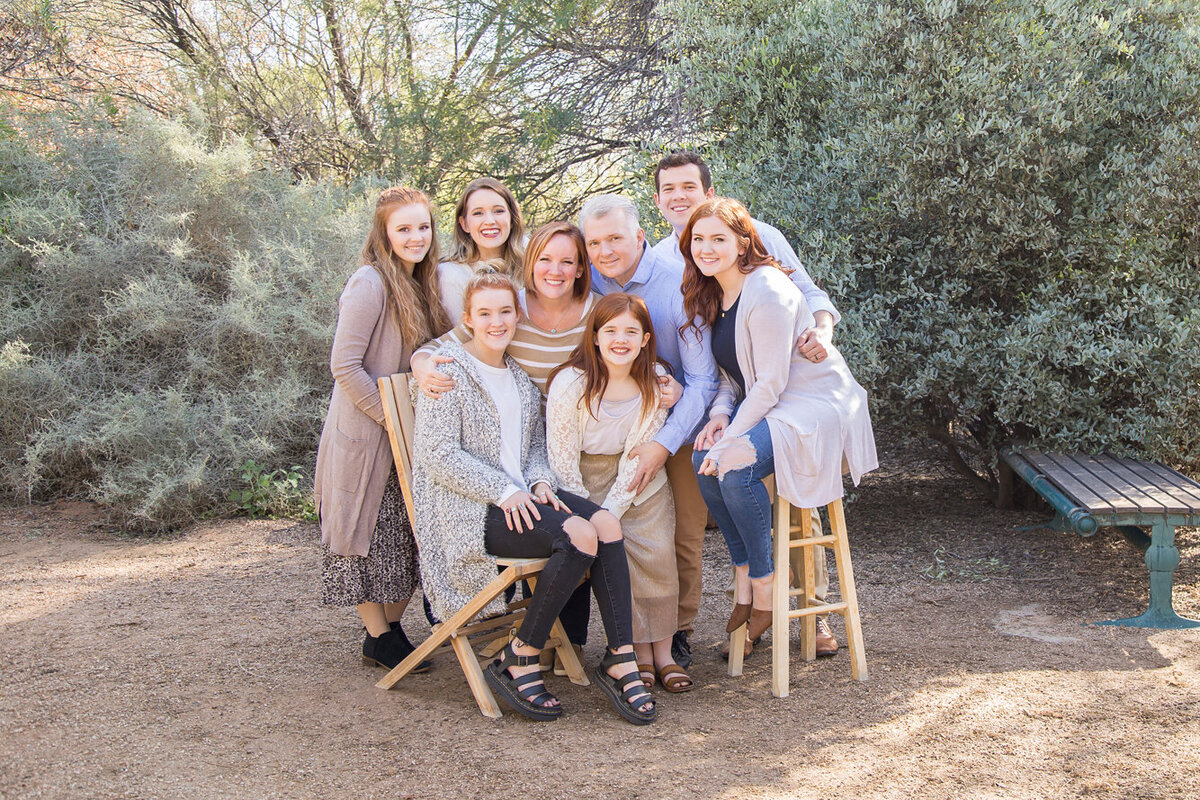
x=554 y=304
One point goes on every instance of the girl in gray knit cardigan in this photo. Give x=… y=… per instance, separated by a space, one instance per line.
x=483 y=488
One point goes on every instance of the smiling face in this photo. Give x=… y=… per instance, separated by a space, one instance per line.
x=556 y=268
x=715 y=247
x=680 y=189
x=487 y=220
x=621 y=339
x=410 y=232
x=492 y=317
x=614 y=245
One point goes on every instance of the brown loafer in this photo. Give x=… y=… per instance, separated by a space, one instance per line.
x=758 y=623
x=741 y=613
x=826 y=644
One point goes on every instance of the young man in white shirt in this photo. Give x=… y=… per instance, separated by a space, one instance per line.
x=681 y=182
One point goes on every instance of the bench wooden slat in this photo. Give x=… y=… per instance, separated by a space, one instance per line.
x=1078 y=491
x=1148 y=485
x=1100 y=465
x=1178 y=486
x=1098 y=483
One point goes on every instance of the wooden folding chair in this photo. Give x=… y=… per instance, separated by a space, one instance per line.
x=460 y=628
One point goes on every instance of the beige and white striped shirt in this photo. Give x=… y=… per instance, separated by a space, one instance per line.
x=537 y=351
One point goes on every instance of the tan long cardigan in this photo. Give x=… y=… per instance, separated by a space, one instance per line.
x=354 y=458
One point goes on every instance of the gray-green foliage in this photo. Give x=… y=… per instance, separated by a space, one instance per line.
x=166 y=308
x=1001 y=196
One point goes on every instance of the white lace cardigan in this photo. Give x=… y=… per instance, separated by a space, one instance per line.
x=566 y=418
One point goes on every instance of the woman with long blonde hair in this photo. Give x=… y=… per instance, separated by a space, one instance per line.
x=389 y=307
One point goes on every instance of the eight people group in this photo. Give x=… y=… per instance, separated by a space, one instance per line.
x=589 y=399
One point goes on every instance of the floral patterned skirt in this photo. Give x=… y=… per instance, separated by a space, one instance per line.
x=388 y=572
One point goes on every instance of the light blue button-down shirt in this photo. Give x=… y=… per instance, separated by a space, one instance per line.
x=657 y=281
x=777 y=245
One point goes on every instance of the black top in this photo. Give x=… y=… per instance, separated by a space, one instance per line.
x=724 y=344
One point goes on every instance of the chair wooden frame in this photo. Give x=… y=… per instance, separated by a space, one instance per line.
x=799 y=535
x=459 y=629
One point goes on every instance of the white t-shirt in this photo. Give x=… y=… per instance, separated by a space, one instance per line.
x=502 y=387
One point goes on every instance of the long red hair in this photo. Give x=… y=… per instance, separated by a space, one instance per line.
x=586 y=356
x=702 y=293
x=415 y=300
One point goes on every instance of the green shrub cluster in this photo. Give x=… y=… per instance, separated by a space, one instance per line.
x=1003 y=196
x=166 y=309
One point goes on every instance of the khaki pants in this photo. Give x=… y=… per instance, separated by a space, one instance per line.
x=690 y=516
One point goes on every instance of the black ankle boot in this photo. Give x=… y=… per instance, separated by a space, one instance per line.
x=390 y=649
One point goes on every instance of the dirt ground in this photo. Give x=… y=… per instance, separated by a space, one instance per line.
x=203 y=666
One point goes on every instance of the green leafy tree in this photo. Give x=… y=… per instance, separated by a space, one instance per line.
x=1003 y=197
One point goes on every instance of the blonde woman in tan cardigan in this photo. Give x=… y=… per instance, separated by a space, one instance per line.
x=390 y=306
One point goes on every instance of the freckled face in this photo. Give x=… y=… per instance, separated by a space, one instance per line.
x=410 y=233
x=715 y=247
x=621 y=339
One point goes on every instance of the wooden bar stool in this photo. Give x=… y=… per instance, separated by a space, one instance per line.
x=800 y=535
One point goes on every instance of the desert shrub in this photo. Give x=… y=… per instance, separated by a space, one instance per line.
x=166 y=311
x=1003 y=197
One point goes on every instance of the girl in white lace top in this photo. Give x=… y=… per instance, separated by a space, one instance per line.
x=601 y=404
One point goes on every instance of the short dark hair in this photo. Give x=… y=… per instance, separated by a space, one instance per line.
x=681 y=158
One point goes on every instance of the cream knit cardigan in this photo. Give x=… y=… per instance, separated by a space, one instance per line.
x=567 y=416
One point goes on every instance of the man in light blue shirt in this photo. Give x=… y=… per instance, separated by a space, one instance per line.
x=681 y=182
x=623 y=262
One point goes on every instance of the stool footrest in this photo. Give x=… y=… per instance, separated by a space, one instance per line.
x=812 y=611
x=810 y=541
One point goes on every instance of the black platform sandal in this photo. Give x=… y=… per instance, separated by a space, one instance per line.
x=627 y=694
x=526 y=694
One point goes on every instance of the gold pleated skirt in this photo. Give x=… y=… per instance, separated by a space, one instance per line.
x=649 y=531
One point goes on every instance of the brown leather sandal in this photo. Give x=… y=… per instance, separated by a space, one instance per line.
x=648 y=674
x=674 y=679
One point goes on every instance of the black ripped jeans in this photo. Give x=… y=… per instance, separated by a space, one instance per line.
x=566 y=567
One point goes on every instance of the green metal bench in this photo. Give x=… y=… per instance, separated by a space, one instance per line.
x=1093 y=492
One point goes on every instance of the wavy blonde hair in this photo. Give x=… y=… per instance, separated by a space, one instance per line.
x=415 y=300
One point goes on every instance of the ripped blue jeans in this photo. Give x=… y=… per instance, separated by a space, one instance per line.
x=740 y=504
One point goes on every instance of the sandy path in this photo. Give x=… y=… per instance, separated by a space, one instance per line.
x=202 y=666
